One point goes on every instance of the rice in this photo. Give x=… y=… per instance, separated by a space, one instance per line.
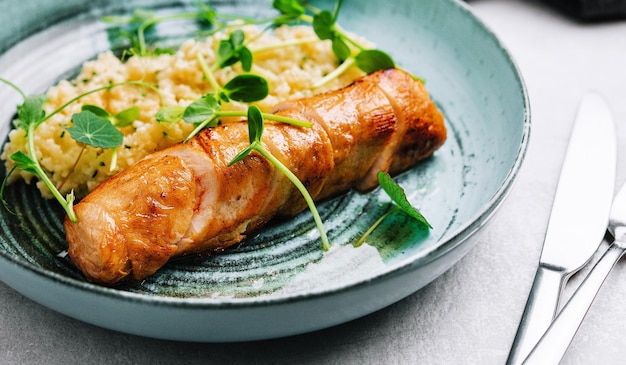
x=290 y=71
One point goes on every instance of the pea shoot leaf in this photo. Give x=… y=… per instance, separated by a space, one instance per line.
x=206 y=13
x=246 y=58
x=233 y=50
x=202 y=109
x=126 y=33
x=31 y=111
x=101 y=112
x=291 y=8
x=323 y=24
x=396 y=193
x=325 y=28
x=224 y=53
x=255 y=131
x=236 y=38
x=122 y=119
x=127 y=116
x=246 y=88
x=241 y=155
x=95 y=131
x=172 y=113
x=24 y=162
x=255 y=124
x=372 y=60
x=340 y=49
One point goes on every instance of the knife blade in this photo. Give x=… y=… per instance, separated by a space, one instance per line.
x=586 y=184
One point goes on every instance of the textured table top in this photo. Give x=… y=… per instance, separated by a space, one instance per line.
x=470 y=314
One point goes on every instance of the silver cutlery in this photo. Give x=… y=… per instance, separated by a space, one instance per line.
x=586 y=183
x=556 y=340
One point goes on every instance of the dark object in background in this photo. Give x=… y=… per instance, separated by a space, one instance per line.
x=591 y=10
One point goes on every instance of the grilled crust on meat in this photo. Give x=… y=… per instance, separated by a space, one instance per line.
x=185 y=199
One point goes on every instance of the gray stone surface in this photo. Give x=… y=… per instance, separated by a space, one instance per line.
x=470 y=314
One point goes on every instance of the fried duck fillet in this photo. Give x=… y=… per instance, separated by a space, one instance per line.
x=185 y=199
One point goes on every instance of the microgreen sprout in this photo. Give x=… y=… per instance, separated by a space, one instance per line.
x=30 y=115
x=122 y=119
x=134 y=29
x=348 y=51
x=397 y=195
x=246 y=88
x=255 y=132
x=233 y=50
x=368 y=60
x=206 y=111
x=89 y=129
x=141 y=22
x=291 y=10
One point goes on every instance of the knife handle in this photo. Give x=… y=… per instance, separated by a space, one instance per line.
x=539 y=312
x=556 y=340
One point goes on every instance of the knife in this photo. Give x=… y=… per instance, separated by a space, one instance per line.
x=556 y=340
x=578 y=219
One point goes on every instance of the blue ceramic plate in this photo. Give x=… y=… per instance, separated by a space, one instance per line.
x=279 y=282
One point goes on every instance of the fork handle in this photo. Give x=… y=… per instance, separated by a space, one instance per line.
x=556 y=340
x=539 y=312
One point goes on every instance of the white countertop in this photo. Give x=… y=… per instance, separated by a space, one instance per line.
x=470 y=314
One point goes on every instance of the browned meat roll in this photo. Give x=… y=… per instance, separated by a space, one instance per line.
x=185 y=199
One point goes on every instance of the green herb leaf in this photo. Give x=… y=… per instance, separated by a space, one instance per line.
x=24 y=162
x=31 y=111
x=237 y=38
x=122 y=119
x=340 y=49
x=396 y=193
x=245 y=56
x=233 y=50
x=127 y=116
x=95 y=131
x=202 y=109
x=246 y=88
x=241 y=155
x=255 y=124
x=255 y=131
x=206 y=13
x=323 y=24
x=291 y=8
x=172 y=113
x=102 y=113
x=223 y=96
x=157 y=51
x=372 y=60
x=131 y=31
x=224 y=53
